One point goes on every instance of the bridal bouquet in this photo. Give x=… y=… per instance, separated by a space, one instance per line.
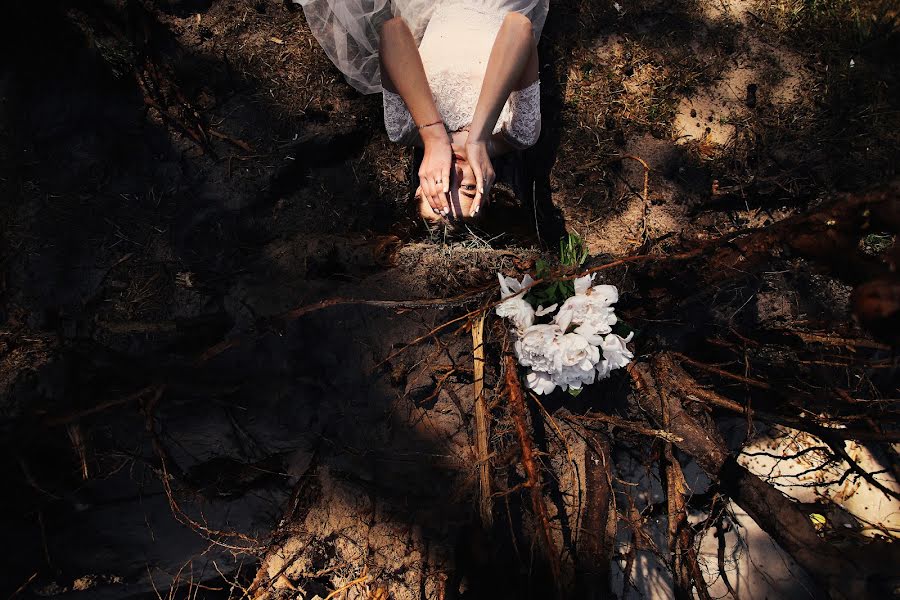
x=573 y=345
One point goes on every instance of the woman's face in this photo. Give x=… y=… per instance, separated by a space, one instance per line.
x=462 y=186
x=462 y=191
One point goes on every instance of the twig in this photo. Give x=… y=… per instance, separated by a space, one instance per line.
x=148 y=407
x=720 y=555
x=458 y=300
x=629 y=425
x=841 y=452
x=645 y=211
x=833 y=340
x=721 y=372
x=24 y=586
x=74 y=416
x=683 y=557
x=688 y=387
x=237 y=142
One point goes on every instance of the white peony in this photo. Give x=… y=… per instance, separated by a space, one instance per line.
x=514 y=306
x=540 y=348
x=518 y=311
x=591 y=306
x=574 y=378
x=559 y=359
x=615 y=352
x=577 y=351
x=539 y=382
x=603 y=369
x=509 y=286
x=579 y=357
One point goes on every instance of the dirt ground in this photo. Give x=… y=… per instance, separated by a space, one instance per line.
x=176 y=173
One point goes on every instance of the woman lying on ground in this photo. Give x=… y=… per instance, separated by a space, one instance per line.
x=458 y=77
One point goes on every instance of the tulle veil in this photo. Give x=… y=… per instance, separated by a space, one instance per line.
x=348 y=29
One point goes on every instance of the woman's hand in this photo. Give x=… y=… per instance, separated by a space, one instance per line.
x=434 y=173
x=480 y=161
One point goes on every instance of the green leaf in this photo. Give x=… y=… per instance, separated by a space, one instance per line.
x=573 y=252
x=623 y=328
x=818 y=521
x=574 y=393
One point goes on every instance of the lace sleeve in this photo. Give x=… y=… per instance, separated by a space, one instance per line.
x=523 y=127
x=397 y=120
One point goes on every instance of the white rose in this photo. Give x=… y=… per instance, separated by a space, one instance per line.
x=591 y=306
x=583 y=284
x=605 y=293
x=514 y=306
x=539 y=382
x=579 y=357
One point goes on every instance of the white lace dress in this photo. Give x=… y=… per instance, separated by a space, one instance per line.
x=455 y=71
x=455 y=40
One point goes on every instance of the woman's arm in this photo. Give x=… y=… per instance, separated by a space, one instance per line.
x=402 y=73
x=513 y=58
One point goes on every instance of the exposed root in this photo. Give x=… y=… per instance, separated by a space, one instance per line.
x=482 y=427
x=532 y=473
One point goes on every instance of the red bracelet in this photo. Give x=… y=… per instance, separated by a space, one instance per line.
x=429 y=124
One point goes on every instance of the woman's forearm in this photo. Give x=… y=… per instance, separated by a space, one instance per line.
x=402 y=72
x=509 y=57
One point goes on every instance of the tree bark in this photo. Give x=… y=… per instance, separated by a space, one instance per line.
x=597 y=537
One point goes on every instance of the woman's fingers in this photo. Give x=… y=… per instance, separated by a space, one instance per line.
x=436 y=193
x=445 y=177
x=422 y=197
x=427 y=191
x=441 y=196
x=479 y=187
x=488 y=186
x=483 y=184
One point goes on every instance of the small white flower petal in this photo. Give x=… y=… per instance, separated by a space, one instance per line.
x=564 y=317
x=540 y=383
x=603 y=369
x=608 y=294
x=616 y=352
x=582 y=284
x=504 y=286
x=519 y=312
x=541 y=311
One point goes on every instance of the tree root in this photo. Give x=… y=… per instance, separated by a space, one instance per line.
x=837 y=573
x=532 y=473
